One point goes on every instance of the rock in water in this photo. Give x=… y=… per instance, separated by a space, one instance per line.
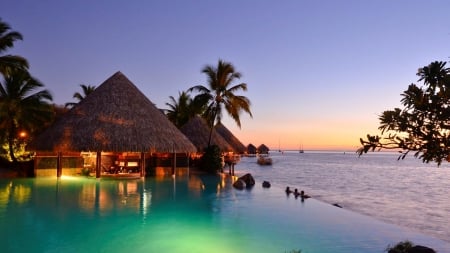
x=248 y=179
x=239 y=184
x=266 y=184
x=421 y=249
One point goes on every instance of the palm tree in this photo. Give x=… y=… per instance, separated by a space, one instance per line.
x=181 y=110
x=8 y=63
x=220 y=94
x=87 y=89
x=20 y=108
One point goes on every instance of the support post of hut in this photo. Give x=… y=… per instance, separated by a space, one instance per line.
x=231 y=168
x=188 y=156
x=174 y=167
x=35 y=163
x=142 y=174
x=98 y=165
x=59 y=165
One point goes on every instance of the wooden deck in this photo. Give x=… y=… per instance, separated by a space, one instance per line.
x=121 y=176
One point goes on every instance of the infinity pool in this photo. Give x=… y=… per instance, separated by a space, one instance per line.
x=190 y=214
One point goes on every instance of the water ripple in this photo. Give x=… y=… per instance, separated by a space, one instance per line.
x=408 y=192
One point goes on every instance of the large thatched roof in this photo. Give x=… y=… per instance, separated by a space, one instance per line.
x=197 y=130
x=237 y=145
x=115 y=117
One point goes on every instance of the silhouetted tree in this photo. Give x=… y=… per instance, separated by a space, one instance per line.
x=181 y=110
x=20 y=108
x=87 y=89
x=9 y=63
x=423 y=125
x=220 y=94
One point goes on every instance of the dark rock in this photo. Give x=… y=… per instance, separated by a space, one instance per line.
x=337 y=205
x=266 y=184
x=239 y=184
x=248 y=180
x=421 y=249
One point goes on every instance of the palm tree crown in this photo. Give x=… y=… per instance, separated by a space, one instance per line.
x=181 y=110
x=20 y=108
x=8 y=63
x=220 y=93
x=87 y=89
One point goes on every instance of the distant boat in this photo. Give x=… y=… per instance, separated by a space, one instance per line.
x=264 y=160
x=301 y=151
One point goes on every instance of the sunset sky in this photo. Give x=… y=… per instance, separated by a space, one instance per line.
x=318 y=72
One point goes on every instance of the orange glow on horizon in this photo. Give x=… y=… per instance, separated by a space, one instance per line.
x=325 y=135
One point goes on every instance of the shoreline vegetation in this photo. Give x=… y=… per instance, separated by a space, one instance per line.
x=16 y=170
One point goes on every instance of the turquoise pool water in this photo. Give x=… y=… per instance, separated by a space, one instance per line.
x=191 y=214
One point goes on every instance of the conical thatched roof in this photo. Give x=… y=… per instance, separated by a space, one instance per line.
x=197 y=130
x=115 y=117
x=263 y=149
x=251 y=149
x=237 y=145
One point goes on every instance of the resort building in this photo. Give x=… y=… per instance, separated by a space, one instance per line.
x=251 y=150
x=237 y=145
x=197 y=131
x=114 y=130
x=263 y=149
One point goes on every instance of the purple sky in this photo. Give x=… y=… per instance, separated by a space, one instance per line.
x=319 y=72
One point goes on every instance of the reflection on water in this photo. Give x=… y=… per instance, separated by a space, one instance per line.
x=105 y=197
x=179 y=214
x=408 y=192
x=14 y=194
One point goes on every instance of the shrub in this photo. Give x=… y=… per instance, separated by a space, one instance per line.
x=401 y=247
x=85 y=172
x=211 y=160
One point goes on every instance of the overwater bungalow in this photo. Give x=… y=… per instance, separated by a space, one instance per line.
x=251 y=150
x=237 y=145
x=263 y=149
x=114 y=130
x=197 y=131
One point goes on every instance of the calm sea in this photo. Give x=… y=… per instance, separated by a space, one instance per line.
x=407 y=192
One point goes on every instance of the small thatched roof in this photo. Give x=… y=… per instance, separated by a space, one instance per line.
x=237 y=145
x=263 y=149
x=197 y=131
x=115 y=117
x=251 y=149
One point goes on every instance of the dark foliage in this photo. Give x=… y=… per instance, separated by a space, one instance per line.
x=211 y=160
x=423 y=125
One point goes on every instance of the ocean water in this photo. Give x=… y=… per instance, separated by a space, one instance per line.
x=200 y=213
x=408 y=193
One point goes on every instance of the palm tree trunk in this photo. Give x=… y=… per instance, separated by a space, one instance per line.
x=211 y=127
x=11 y=149
x=210 y=135
x=11 y=142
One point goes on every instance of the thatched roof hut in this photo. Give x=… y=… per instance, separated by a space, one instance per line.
x=237 y=145
x=197 y=131
x=251 y=149
x=116 y=117
x=263 y=149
